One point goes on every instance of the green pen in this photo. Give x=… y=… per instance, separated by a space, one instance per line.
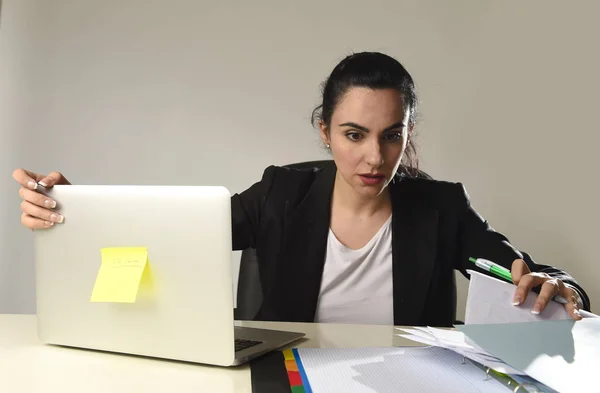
x=492 y=267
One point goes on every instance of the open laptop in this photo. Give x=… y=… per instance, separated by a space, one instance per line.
x=184 y=311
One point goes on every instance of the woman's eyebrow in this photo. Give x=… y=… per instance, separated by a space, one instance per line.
x=365 y=129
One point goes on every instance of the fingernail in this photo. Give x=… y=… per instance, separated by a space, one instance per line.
x=535 y=310
x=48 y=223
x=517 y=300
x=50 y=203
x=57 y=218
x=43 y=184
x=31 y=184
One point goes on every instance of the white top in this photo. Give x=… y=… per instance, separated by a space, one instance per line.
x=357 y=284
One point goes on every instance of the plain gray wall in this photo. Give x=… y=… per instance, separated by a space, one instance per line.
x=188 y=92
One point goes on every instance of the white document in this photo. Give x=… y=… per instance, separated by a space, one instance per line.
x=393 y=370
x=564 y=355
x=457 y=342
x=490 y=301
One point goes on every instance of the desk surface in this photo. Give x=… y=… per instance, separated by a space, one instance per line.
x=28 y=366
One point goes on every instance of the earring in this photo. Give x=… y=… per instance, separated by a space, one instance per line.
x=327 y=145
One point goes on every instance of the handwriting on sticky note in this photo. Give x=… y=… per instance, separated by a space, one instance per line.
x=120 y=274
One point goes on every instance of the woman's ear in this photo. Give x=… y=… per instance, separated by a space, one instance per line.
x=324 y=133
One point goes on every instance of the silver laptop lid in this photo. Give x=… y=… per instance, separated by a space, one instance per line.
x=184 y=309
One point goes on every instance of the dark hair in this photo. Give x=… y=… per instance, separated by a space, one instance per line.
x=373 y=70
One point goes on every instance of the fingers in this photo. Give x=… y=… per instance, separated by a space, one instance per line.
x=30 y=179
x=53 y=179
x=40 y=213
x=34 y=223
x=572 y=307
x=26 y=179
x=518 y=269
x=36 y=198
x=571 y=300
x=37 y=211
x=525 y=284
x=550 y=288
x=36 y=206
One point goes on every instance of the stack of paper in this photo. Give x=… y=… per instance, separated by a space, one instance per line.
x=551 y=347
x=564 y=355
x=457 y=342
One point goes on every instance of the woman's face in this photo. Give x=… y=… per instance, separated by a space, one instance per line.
x=367 y=137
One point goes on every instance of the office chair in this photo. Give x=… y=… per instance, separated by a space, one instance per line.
x=249 y=295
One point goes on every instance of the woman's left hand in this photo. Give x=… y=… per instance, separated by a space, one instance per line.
x=551 y=286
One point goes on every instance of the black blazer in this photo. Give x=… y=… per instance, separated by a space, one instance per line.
x=286 y=218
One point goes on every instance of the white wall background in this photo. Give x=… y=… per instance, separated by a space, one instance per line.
x=190 y=92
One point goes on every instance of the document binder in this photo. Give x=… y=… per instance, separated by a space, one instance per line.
x=357 y=370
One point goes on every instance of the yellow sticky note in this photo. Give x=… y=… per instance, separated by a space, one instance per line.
x=120 y=274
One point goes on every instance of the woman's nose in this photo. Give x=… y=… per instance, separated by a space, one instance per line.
x=373 y=156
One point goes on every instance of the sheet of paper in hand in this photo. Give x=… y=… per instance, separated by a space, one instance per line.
x=490 y=300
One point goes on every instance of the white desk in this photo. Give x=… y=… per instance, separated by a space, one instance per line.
x=27 y=366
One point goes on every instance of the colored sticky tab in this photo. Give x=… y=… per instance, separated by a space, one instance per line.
x=298 y=389
x=291 y=365
x=288 y=354
x=295 y=378
x=120 y=274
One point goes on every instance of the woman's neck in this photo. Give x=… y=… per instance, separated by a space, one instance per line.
x=346 y=198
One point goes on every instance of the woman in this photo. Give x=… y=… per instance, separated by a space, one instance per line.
x=362 y=240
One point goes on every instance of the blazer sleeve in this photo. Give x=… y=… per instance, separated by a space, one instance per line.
x=246 y=211
x=479 y=240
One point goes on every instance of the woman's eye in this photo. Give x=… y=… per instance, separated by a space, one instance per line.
x=354 y=136
x=395 y=137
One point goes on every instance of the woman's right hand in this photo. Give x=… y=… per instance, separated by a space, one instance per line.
x=38 y=209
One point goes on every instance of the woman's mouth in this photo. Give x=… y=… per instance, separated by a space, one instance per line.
x=371 y=179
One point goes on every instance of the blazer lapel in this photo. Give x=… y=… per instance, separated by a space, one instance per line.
x=414 y=245
x=305 y=242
